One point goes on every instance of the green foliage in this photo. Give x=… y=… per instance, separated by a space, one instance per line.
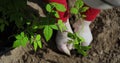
x=48 y=32
x=77 y=42
x=16 y=11
x=47 y=24
x=36 y=41
x=21 y=39
x=74 y=10
x=61 y=26
x=48 y=28
x=79 y=9
x=59 y=7
x=51 y=6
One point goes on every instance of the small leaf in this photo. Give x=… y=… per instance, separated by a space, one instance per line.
x=31 y=39
x=81 y=39
x=35 y=46
x=47 y=32
x=24 y=41
x=71 y=35
x=38 y=37
x=84 y=9
x=76 y=41
x=79 y=4
x=16 y=43
x=39 y=44
x=59 y=7
x=82 y=52
x=56 y=15
x=48 y=8
x=85 y=48
x=61 y=25
x=54 y=27
x=21 y=39
x=74 y=10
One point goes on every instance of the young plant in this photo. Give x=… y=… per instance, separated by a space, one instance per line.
x=36 y=41
x=77 y=43
x=21 y=39
x=48 y=29
x=79 y=9
x=47 y=24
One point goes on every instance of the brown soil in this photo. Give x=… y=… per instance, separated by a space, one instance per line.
x=105 y=46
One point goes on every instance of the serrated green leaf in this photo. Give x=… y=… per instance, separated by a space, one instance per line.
x=56 y=15
x=84 y=9
x=35 y=46
x=21 y=39
x=47 y=32
x=54 y=27
x=59 y=7
x=38 y=37
x=16 y=43
x=79 y=4
x=24 y=41
x=39 y=44
x=61 y=25
x=74 y=11
x=48 y=8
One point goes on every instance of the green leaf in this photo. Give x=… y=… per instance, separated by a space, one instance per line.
x=31 y=39
x=18 y=37
x=22 y=34
x=54 y=27
x=79 y=4
x=56 y=15
x=47 y=32
x=21 y=39
x=82 y=52
x=74 y=10
x=76 y=41
x=48 y=8
x=80 y=39
x=84 y=9
x=24 y=41
x=39 y=44
x=71 y=35
x=59 y=7
x=85 y=48
x=38 y=37
x=61 y=25
x=35 y=46
x=16 y=43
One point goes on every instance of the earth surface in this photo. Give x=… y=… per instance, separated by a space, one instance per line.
x=105 y=45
